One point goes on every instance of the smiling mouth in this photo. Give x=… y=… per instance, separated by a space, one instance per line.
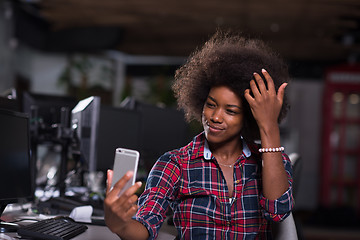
x=215 y=128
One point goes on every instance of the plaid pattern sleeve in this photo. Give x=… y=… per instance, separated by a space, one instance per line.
x=191 y=182
x=159 y=191
x=277 y=210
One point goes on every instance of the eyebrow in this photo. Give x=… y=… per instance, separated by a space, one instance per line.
x=228 y=105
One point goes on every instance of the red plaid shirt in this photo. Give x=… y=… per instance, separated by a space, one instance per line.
x=190 y=181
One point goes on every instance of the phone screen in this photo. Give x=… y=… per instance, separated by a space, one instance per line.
x=125 y=160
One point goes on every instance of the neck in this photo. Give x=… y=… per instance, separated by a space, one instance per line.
x=226 y=153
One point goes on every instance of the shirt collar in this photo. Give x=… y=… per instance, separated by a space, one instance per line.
x=208 y=154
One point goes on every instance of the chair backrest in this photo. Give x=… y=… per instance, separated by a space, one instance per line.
x=286 y=230
x=296 y=166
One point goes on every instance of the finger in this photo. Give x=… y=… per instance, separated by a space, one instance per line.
x=109 y=177
x=281 y=91
x=248 y=96
x=260 y=83
x=132 y=211
x=254 y=89
x=132 y=190
x=130 y=201
x=118 y=186
x=122 y=204
x=125 y=204
x=269 y=80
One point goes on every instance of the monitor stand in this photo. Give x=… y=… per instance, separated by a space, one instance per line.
x=5 y=226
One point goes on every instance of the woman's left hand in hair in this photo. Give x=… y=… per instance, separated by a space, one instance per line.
x=265 y=103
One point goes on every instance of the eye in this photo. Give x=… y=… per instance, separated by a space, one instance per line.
x=209 y=105
x=233 y=111
x=230 y=111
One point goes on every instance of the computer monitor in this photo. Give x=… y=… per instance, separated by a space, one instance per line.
x=85 y=121
x=100 y=129
x=162 y=129
x=49 y=118
x=118 y=127
x=46 y=110
x=15 y=162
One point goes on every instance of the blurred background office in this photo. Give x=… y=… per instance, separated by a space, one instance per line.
x=126 y=52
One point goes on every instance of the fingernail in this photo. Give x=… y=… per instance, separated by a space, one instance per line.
x=263 y=70
x=129 y=173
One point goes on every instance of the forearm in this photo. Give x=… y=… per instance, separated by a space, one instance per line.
x=274 y=177
x=133 y=230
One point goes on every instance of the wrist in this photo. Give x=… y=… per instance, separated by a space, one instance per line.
x=270 y=137
x=269 y=131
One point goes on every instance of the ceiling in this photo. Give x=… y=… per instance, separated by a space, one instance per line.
x=302 y=30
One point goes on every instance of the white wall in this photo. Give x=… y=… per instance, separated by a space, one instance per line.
x=42 y=69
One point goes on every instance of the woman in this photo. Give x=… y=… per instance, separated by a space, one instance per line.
x=221 y=185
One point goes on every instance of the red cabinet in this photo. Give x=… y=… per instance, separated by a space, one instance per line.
x=340 y=163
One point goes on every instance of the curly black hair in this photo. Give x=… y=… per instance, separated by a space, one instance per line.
x=227 y=59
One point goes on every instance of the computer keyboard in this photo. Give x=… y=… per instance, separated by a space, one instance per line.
x=61 y=228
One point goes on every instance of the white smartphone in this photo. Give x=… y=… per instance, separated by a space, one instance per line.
x=125 y=160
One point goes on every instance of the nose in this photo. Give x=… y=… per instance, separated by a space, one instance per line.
x=216 y=116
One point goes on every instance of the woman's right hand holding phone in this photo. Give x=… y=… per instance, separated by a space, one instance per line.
x=119 y=209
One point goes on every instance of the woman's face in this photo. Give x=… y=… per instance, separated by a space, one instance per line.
x=222 y=115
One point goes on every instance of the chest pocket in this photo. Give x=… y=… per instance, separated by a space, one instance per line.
x=198 y=181
x=251 y=172
x=194 y=185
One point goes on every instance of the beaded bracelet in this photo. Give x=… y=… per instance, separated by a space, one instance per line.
x=265 y=150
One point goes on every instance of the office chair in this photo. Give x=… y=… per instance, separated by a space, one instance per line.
x=286 y=230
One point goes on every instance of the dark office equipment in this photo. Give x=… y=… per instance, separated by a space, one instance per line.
x=45 y=111
x=15 y=161
x=100 y=129
x=64 y=206
x=9 y=104
x=162 y=129
x=49 y=124
x=52 y=229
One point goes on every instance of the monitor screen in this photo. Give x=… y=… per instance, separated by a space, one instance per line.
x=15 y=171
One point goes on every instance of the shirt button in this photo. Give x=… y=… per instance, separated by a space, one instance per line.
x=228 y=223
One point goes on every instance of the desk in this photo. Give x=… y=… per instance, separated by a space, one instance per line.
x=101 y=232
x=94 y=232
